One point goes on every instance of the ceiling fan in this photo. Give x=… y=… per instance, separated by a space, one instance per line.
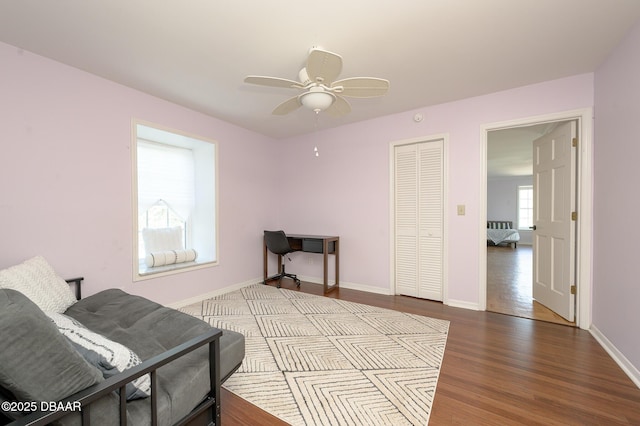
x=320 y=89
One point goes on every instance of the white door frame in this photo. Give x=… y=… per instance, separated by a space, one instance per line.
x=584 y=203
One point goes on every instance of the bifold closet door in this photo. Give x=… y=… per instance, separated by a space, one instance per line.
x=418 y=200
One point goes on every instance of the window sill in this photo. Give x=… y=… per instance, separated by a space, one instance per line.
x=144 y=272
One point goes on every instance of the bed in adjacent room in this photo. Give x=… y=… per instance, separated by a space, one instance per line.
x=502 y=232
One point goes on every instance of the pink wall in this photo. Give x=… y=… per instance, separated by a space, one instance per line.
x=345 y=191
x=65 y=179
x=616 y=151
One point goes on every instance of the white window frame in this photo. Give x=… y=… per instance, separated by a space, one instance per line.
x=203 y=224
x=521 y=188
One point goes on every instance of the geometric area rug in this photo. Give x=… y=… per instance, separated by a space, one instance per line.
x=313 y=360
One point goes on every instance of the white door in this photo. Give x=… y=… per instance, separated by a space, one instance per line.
x=418 y=200
x=554 y=195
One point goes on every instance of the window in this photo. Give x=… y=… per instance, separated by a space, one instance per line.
x=525 y=206
x=159 y=216
x=175 y=201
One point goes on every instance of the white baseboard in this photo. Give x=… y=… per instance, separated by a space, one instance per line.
x=214 y=293
x=313 y=280
x=306 y=279
x=618 y=357
x=462 y=304
x=367 y=288
x=350 y=286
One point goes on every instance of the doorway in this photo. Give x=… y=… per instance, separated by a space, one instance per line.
x=511 y=180
x=541 y=125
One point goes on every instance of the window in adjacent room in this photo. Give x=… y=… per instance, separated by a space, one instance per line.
x=525 y=206
x=174 y=200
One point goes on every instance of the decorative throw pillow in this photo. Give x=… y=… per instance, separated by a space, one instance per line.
x=108 y=356
x=161 y=239
x=36 y=362
x=170 y=257
x=37 y=280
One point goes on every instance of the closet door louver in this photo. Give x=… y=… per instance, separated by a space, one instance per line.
x=418 y=219
x=406 y=219
x=430 y=220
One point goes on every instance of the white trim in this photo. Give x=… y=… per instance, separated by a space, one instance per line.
x=618 y=357
x=346 y=285
x=445 y=221
x=464 y=305
x=445 y=209
x=585 y=205
x=211 y=294
x=305 y=279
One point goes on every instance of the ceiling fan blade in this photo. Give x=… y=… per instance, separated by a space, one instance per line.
x=287 y=106
x=361 y=87
x=323 y=66
x=339 y=107
x=272 y=82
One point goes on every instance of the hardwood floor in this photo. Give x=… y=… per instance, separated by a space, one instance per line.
x=509 y=285
x=500 y=370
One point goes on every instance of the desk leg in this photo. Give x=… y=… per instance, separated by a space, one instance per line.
x=325 y=262
x=337 y=254
x=325 y=255
x=264 y=249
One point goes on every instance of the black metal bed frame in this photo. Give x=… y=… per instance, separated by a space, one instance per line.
x=210 y=406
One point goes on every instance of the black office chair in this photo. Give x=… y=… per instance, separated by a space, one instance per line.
x=278 y=243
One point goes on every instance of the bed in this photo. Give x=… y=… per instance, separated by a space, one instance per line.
x=502 y=232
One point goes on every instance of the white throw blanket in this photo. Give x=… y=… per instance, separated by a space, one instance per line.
x=498 y=236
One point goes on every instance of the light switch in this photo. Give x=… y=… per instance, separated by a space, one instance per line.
x=460 y=209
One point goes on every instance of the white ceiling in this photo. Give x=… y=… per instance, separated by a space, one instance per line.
x=197 y=52
x=510 y=151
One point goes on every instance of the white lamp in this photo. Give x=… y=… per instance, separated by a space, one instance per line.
x=317 y=99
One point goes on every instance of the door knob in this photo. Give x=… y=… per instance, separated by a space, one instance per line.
x=533 y=227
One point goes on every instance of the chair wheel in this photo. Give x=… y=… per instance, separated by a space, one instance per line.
x=298 y=283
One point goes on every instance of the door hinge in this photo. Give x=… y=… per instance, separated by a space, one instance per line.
x=574 y=290
x=574 y=215
x=574 y=142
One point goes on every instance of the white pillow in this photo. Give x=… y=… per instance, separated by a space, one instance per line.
x=37 y=280
x=108 y=356
x=170 y=257
x=161 y=239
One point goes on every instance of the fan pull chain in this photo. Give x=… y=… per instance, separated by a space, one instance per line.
x=315 y=148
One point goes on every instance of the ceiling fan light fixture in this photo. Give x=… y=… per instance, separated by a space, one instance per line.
x=322 y=90
x=317 y=100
